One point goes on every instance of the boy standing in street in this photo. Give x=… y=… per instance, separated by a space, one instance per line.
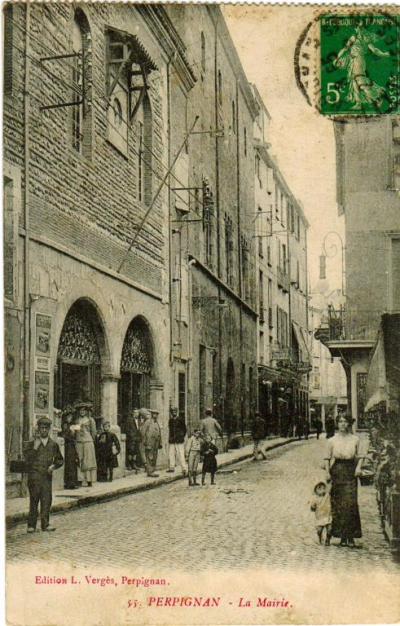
x=42 y=455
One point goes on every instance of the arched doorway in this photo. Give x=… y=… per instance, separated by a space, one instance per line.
x=230 y=404
x=78 y=371
x=136 y=370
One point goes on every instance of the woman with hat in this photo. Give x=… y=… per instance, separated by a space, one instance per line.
x=85 y=429
x=343 y=466
x=70 y=455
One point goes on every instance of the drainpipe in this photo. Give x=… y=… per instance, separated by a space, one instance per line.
x=217 y=209
x=26 y=426
x=171 y=360
x=241 y=289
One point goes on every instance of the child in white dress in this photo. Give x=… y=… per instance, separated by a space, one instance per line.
x=321 y=505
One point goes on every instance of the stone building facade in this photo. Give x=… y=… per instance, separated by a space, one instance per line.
x=86 y=230
x=281 y=273
x=368 y=186
x=213 y=313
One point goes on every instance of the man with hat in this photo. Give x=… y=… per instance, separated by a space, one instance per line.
x=177 y=432
x=151 y=440
x=42 y=455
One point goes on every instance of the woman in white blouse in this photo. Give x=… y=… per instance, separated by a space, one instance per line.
x=343 y=465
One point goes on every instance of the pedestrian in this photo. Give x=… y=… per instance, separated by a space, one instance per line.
x=321 y=505
x=318 y=426
x=132 y=430
x=70 y=456
x=299 y=427
x=343 y=462
x=42 y=456
x=151 y=441
x=176 y=439
x=193 y=456
x=208 y=453
x=258 y=434
x=210 y=426
x=86 y=433
x=330 y=426
x=107 y=451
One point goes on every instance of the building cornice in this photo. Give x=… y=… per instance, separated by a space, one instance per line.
x=169 y=39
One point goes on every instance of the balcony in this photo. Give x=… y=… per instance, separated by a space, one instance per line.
x=353 y=325
x=283 y=280
x=348 y=328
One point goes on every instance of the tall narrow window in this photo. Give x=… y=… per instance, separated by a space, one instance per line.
x=142 y=132
x=261 y=346
x=220 y=87
x=228 y=248
x=261 y=296
x=245 y=141
x=8 y=49
x=77 y=85
x=203 y=52
x=8 y=243
x=233 y=116
x=182 y=395
x=81 y=62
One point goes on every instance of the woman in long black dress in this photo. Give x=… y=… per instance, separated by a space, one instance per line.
x=70 y=456
x=343 y=465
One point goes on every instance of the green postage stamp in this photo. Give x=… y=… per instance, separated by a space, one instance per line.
x=359 y=64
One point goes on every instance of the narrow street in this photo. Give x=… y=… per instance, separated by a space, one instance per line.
x=257 y=515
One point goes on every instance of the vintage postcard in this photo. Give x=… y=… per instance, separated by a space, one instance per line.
x=201 y=207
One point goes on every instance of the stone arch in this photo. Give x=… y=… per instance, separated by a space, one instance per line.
x=82 y=356
x=137 y=369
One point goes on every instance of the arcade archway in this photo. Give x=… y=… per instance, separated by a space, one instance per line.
x=136 y=371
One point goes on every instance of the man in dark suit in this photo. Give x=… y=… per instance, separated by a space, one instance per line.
x=176 y=440
x=42 y=456
x=133 y=438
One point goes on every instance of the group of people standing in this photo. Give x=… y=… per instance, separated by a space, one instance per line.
x=143 y=441
x=90 y=454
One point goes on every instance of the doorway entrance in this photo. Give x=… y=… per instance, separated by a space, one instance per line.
x=136 y=370
x=78 y=371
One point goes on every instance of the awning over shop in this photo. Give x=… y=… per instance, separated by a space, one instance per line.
x=304 y=352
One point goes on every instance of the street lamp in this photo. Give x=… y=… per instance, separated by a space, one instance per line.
x=333 y=252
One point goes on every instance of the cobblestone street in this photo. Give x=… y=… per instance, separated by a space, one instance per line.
x=257 y=516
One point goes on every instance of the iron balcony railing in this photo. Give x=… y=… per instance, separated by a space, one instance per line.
x=345 y=324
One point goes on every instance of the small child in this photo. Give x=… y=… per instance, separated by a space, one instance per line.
x=321 y=504
x=193 y=456
x=107 y=450
x=208 y=452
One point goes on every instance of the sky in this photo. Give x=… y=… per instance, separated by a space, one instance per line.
x=300 y=137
